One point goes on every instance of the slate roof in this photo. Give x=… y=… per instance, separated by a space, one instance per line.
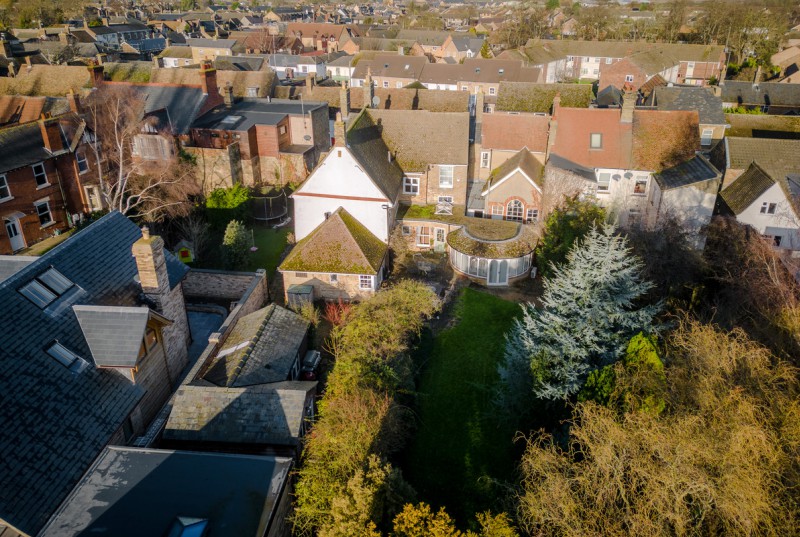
x=691 y=172
x=262 y=348
x=523 y=160
x=761 y=94
x=183 y=103
x=114 y=334
x=365 y=142
x=339 y=245
x=236 y=494
x=56 y=420
x=513 y=132
x=11 y=264
x=23 y=145
x=707 y=105
x=418 y=138
x=747 y=188
x=253 y=111
x=267 y=414
x=210 y=43
x=609 y=96
x=239 y=63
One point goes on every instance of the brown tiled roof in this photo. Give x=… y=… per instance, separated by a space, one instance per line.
x=777 y=157
x=513 y=132
x=392 y=66
x=340 y=245
x=662 y=139
x=526 y=162
x=388 y=98
x=572 y=138
x=747 y=188
x=527 y=97
x=419 y=138
x=46 y=80
x=240 y=80
x=309 y=29
x=370 y=150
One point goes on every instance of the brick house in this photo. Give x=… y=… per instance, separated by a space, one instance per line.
x=504 y=135
x=514 y=190
x=389 y=70
x=41 y=172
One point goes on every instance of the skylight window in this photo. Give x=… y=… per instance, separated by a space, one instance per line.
x=64 y=356
x=46 y=287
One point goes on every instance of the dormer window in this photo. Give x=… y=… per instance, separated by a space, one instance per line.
x=148 y=343
x=596 y=140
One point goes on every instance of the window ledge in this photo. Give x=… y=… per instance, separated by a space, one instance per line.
x=48 y=224
x=3 y=200
x=44 y=186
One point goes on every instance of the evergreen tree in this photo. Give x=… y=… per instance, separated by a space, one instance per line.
x=486 y=52
x=235 y=244
x=568 y=223
x=588 y=315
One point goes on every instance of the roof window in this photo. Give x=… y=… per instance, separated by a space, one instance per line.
x=501 y=71
x=64 y=356
x=46 y=287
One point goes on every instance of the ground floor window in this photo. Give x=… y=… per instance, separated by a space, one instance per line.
x=514 y=211
x=497 y=210
x=43 y=211
x=365 y=281
x=532 y=216
x=423 y=236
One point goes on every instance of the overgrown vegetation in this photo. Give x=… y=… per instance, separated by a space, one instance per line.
x=565 y=225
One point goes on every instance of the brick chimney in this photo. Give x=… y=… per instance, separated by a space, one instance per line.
x=310 y=83
x=74 y=102
x=339 y=136
x=151 y=265
x=369 y=90
x=344 y=99
x=96 y=74
x=227 y=95
x=628 y=106
x=556 y=104
x=208 y=83
x=51 y=135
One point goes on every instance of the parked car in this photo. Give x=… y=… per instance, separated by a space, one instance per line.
x=308 y=369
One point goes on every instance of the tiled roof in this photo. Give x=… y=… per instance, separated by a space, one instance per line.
x=240 y=80
x=46 y=80
x=340 y=245
x=424 y=37
x=234 y=494
x=266 y=414
x=747 y=188
x=262 y=348
x=55 y=421
x=513 y=132
x=778 y=157
x=370 y=150
x=691 y=172
x=388 y=98
x=528 y=97
x=763 y=126
x=572 y=137
x=392 y=66
x=761 y=94
x=540 y=51
x=210 y=43
x=526 y=162
x=663 y=139
x=418 y=138
x=707 y=105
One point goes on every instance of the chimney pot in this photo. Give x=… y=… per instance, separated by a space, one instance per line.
x=145 y=232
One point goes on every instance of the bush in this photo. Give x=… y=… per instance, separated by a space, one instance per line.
x=226 y=204
x=235 y=245
x=563 y=227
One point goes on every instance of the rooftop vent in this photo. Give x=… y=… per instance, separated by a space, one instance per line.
x=501 y=71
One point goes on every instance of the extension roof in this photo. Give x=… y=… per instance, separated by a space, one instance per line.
x=271 y=414
x=707 y=105
x=248 y=112
x=513 y=132
x=234 y=494
x=525 y=162
x=747 y=188
x=691 y=172
x=262 y=348
x=340 y=245
x=418 y=138
x=55 y=419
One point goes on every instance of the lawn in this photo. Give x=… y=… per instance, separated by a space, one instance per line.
x=270 y=243
x=460 y=451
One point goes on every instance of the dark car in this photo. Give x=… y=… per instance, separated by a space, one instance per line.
x=308 y=369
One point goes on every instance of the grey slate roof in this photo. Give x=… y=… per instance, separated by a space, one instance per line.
x=746 y=188
x=262 y=348
x=690 y=172
x=11 y=264
x=182 y=103
x=708 y=105
x=23 y=146
x=210 y=43
x=114 y=334
x=131 y=492
x=266 y=414
x=254 y=111
x=761 y=94
x=365 y=142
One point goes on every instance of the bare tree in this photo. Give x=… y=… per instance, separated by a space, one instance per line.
x=560 y=184
x=151 y=189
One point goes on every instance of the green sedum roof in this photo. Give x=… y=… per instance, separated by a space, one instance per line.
x=340 y=245
x=493 y=239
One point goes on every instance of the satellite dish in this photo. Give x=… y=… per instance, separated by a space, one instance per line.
x=307 y=137
x=376 y=101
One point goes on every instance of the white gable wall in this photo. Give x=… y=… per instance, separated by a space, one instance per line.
x=784 y=223
x=340 y=182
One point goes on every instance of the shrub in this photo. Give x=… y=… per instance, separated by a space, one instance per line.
x=235 y=245
x=336 y=312
x=226 y=204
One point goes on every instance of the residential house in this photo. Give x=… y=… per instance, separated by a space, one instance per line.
x=513 y=191
x=431 y=41
x=246 y=393
x=780 y=158
x=503 y=135
x=708 y=106
x=208 y=49
x=573 y=59
x=15 y=109
x=177 y=56
x=769 y=97
x=380 y=44
x=114 y=35
x=97 y=337
x=264 y=41
x=339 y=259
x=360 y=174
x=43 y=169
x=389 y=71
x=341 y=69
x=245 y=495
x=258 y=141
x=766 y=199
x=462 y=47
x=290 y=66
x=322 y=37
x=539 y=98
x=787 y=60
x=622 y=149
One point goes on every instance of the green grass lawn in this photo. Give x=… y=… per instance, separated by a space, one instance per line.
x=459 y=449
x=270 y=243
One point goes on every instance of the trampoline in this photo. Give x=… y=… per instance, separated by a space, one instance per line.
x=271 y=208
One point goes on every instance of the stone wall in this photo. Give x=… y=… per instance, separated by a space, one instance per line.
x=346 y=286
x=177 y=336
x=218 y=168
x=155 y=380
x=218 y=284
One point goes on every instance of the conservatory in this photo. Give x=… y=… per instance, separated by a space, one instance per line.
x=492 y=254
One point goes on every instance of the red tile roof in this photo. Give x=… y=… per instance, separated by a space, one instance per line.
x=512 y=132
x=573 y=134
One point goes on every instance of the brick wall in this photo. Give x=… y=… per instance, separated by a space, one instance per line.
x=267 y=140
x=614 y=74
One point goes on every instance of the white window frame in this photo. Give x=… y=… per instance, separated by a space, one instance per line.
x=628 y=78
x=450 y=171
x=603 y=181
x=596 y=140
x=46 y=203
x=37 y=175
x=365 y=281
x=385 y=83
x=608 y=60
x=485 y=159
x=411 y=185
x=93 y=191
x=427 y=236
x=497 y=210
x=83 y=163
x=768 y=208
x=252 y=91
x=492 y=90
x=445 y=199
x=640 y=179
x=333 y=278
x=706 y=137
x=531 y=216
x=4 y=186
x=518 y=211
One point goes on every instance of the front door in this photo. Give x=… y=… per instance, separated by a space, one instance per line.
x=498 y=272
x=12 y=230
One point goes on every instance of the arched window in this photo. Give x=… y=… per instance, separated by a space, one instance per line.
x=514 y=211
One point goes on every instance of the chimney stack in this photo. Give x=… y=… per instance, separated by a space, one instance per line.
x=628 y=106
x=51 y=135
x=556 y=104
x=151 y=264
x=310 y=83
x=339 y=131
x=369 y=90
x=344 y=100
x=208 y=83
x=96 y=72
x=227 y=95
x=74 y=102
